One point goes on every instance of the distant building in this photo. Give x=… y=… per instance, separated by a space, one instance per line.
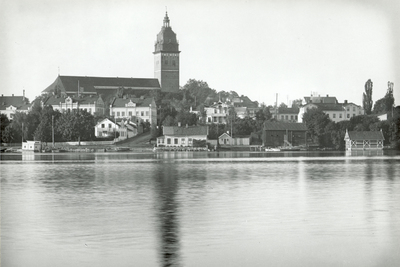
x=183 y=136
x=277 y=134
x=330 y=106
x=226 y=140
x=136 y=109
x=285 y=114
x=364 y=140
x=34 y=146
x=9 y=105
x=217 y=113
x=90 y=103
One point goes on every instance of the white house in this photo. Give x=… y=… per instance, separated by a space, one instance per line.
x=183 y=136
x=138 y=109
x=61 y=102
x=125 y=128
x=9 y=105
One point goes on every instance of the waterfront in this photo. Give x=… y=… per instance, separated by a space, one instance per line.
x=200 y=209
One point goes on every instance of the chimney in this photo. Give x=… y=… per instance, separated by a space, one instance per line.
x=187 y=125
x=327 y=95
x=12 y=94
x=23 y=94
x=345 y=101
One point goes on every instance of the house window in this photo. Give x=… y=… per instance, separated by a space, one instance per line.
x=175 y=141
x=109 y=125
x=291 y=117
x=282 y=117
x=123 y=113
x=113 y=113
x=130 y=113
x=209 y=119
x=102 y=125
x=137 y=113
x=348 y=115
x=183 y=141
x=147 y=113
x=190 y=141
x=118 y=113
x=354 y=115
x=348 y=109
x=142 y=113
x=340 y=115
x=168 y=141
x=215 y=119
x=334 y=115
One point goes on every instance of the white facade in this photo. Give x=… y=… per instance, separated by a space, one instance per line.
x=217 y=113
x=337 y=112
x=145 y=113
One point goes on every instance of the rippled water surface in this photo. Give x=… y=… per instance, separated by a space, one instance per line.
x=200 y=209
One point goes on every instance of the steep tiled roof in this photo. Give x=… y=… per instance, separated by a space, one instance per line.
x=121 y=102
x=288 y=110
x=184 y=131
x=366 y=135
x=20 y=102
x=93 y=84
x=283 y=126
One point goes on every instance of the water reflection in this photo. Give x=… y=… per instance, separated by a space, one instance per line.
x=167 y=209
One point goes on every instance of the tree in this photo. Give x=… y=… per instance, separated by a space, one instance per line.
x=4 y=122
x=367 y=97
x=316 y=121
x=385 y=104
x=43 y=131
x=186 y=118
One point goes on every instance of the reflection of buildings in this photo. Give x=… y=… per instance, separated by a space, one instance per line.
x=166 y=187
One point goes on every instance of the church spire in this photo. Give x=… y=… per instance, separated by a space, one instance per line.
x=166 y=20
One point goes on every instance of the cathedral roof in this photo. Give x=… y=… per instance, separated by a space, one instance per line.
x=91 y=85
x=166 y=39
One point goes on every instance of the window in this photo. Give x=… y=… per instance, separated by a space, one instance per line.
x=291 y=117
x=130 y=113
x=147 y=113
x=113 y=113
x=118 y=113
x=215 y=119
x=123 y=113
x=137 y=113
x=173 y=63
x=286 y=117
x=183 y=141
x=190 y=141
x=166 y=62
x=102 y=125
x=348 y=109
x=334 y=115
x=168 y=141
x=354 y=115
x=209 y=119
x=354 y=108
x=175 y=141
x=109 y=125
x=142 y=113
x=348 y=115
x=340 y=115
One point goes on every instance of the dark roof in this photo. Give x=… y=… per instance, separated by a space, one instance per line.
x=20 y=102
x=327 y=106
x=283 y=126
x=120 y=102
x=320 y=99
x=183 y=130
x=166 y=39
x=288 y=110
x=366 y=135
x=95 y=84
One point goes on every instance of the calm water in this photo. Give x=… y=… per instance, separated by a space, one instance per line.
x=185 y=209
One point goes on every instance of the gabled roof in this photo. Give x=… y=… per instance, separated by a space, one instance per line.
x=288 y=110
x=94 y=84
x=366 y=135
x=283 y=126
x=19 y=102
x=121 y=102
x=185 y=131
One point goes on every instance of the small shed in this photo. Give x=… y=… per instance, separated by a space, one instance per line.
x=277 y=134
x=34 y=146
x=364 y=140
x=226 y=140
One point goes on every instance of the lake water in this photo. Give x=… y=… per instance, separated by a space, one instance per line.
x=200 y=209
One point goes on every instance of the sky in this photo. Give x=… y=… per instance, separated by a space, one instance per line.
x=257 y=48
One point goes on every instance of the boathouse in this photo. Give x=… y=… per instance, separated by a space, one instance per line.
x=183 y=136
x=277 y=134
x=364 y=140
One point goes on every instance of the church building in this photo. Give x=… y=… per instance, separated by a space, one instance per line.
x=166 y=74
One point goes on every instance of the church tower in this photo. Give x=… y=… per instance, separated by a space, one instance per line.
x=166 y=58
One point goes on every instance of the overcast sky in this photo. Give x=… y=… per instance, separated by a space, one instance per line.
x=256 y=47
